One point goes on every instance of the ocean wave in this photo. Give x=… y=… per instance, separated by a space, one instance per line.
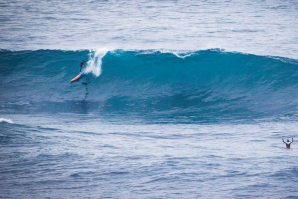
x=204 y=83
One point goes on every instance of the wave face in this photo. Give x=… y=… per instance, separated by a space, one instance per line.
x=203 y=86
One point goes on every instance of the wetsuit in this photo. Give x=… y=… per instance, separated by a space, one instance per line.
x=288 y=144
x=82 y=65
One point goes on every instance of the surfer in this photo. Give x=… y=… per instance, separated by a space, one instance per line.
x=288 y=143
x=82 y=65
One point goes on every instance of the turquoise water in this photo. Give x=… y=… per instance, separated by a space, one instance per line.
x=180 y=99
x=200 y=86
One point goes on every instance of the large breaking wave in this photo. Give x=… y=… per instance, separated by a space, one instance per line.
x=206 y=85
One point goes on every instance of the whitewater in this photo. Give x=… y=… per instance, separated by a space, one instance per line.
x=180 y=99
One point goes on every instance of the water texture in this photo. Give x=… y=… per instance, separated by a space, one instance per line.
x=180 y=99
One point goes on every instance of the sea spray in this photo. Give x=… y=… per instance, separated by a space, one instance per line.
x=94 y=63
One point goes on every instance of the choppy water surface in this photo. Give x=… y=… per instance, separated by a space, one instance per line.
x=259 y=27
x=100 y=160
x=180 y=99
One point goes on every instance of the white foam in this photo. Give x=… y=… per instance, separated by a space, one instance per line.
x=6 y=120
x=95 y=61
x=178 y=53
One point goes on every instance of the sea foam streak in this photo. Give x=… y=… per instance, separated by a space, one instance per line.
x=4 y=120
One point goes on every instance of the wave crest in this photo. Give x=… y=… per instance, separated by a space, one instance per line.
x=192 y=84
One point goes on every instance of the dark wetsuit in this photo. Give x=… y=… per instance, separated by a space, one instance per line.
x=288 y=144
x=82 y=65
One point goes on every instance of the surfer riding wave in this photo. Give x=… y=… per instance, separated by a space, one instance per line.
x=82 y=65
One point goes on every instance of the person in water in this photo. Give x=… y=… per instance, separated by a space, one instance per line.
x=82 y=65
x=288 y=143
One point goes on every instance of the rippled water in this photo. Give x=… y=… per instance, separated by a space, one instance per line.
x=259 y=27
x=214 y=132
x=63 y=159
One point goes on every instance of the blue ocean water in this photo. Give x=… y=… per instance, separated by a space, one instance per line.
x=180 y=99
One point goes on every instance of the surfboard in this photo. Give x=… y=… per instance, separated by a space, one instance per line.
x=77 y=78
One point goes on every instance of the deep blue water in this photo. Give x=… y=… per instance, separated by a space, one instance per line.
x=181 y=99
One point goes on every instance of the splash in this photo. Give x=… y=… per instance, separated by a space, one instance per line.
x=94 y=64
